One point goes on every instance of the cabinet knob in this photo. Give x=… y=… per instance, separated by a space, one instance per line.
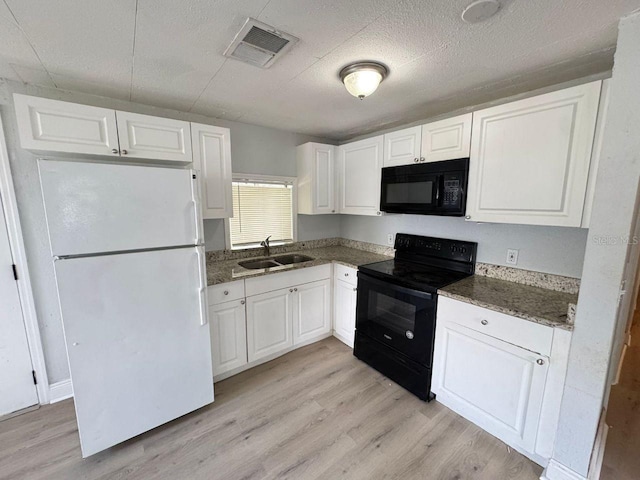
x=346 y=274
x=540 y=361
x=484 y=322
x=468 y=217
x=295 y=289
x=378 y=213
x=291 y=290
x=241 y=302
x=416 y=159
x=75 y=344
x=114 y=151
x=226 y=292
x=355 y=289
x=124 y=152
x=422 y=159
x=333 y=211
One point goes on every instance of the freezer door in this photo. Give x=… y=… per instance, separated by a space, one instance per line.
x=93 y=207
x=137 y=341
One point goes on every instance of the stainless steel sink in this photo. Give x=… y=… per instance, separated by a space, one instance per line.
x=292 y=258
x=271 y=262
x=257 y=264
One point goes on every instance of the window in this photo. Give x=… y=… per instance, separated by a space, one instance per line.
x=262 y=206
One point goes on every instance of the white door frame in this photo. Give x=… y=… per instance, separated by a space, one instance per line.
x=16 y=243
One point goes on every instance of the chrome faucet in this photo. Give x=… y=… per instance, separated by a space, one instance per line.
x=267 y=247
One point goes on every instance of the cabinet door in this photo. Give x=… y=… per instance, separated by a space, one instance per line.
x=447 y=139
x=212 y=157
x=54 y=126
x=402 y=147
x=495 y=384
x=145 y=136
x=269 y=323
x=228 y=336
x=344 y=311
x=312 y=316
x=359 y=172
x=530 y=158
x=316 y=178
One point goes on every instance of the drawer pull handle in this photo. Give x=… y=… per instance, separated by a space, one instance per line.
x=540 y=361
x=226 y=292
x=484 y=322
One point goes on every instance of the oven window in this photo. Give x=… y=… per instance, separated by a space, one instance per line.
x=390 y=312
x=409 y=192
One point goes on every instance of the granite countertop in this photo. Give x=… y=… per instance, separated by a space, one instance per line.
x=229 y=270
x=540 y=305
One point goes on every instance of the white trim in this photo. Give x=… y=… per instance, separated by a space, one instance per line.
x=24 y=280
x=597 y=456
x=60 y=391
x=236 y=177
x=557 y=471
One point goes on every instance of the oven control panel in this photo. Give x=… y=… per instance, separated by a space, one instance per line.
x=436 y=247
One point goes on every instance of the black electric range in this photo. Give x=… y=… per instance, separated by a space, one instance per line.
x=397 y=303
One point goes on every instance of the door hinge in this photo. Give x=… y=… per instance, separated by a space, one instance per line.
x=15 y=271
x=33 y=374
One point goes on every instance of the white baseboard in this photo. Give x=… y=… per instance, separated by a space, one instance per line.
x=60 y=391
x=557 y=471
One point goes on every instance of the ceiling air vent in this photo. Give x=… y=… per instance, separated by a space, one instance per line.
x=259 y=44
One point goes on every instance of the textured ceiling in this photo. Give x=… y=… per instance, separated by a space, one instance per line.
x=168 y=53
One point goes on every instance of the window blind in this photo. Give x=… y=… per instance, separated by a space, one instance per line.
x=261 y=209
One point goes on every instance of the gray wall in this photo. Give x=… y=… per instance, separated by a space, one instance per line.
x=254 y=149
x=556 y=250
x=614 y=213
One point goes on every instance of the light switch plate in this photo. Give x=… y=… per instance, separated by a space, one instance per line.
x=512 y=256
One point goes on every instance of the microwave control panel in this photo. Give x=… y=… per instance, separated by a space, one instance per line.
x=452 y=191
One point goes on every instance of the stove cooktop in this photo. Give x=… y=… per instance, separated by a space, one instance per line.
x=421 y=277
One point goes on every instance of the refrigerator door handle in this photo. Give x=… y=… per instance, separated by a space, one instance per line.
x=197 y=207
x=203 y=285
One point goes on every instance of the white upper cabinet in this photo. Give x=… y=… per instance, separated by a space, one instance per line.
x=144 y=136
x=446 y=139
x=55 y=126
x=530 y=158
x=316 y=178
x=359 y=170
x=212 y=158
x=69 y=128
x=402 y=147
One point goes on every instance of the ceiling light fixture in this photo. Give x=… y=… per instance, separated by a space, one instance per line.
x=362 y=79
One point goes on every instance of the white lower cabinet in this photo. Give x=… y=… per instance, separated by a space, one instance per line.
x=228 y=336
x=312 y=311
x=495 y=384
x=506 y=389
x=344 y=304
x=269 y=323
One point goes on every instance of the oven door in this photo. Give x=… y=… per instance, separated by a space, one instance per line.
x=399 y=317
x=409 y=192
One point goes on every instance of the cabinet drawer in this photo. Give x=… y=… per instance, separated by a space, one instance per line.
x=346 y=274
x=517 y=331
x=225 y=292
x=276 y=281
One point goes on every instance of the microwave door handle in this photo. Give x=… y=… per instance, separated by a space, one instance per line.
x=437 y=182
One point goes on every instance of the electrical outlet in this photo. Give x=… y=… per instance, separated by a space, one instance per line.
x=390 y=239
x=512 y=256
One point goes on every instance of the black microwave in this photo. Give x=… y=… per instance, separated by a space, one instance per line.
x=433 y=188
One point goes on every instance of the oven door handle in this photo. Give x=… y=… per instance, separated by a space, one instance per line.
x=392 y=286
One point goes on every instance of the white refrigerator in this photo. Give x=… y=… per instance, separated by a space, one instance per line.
x=128 y=254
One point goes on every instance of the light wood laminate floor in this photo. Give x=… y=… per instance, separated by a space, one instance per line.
x=315 y=413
